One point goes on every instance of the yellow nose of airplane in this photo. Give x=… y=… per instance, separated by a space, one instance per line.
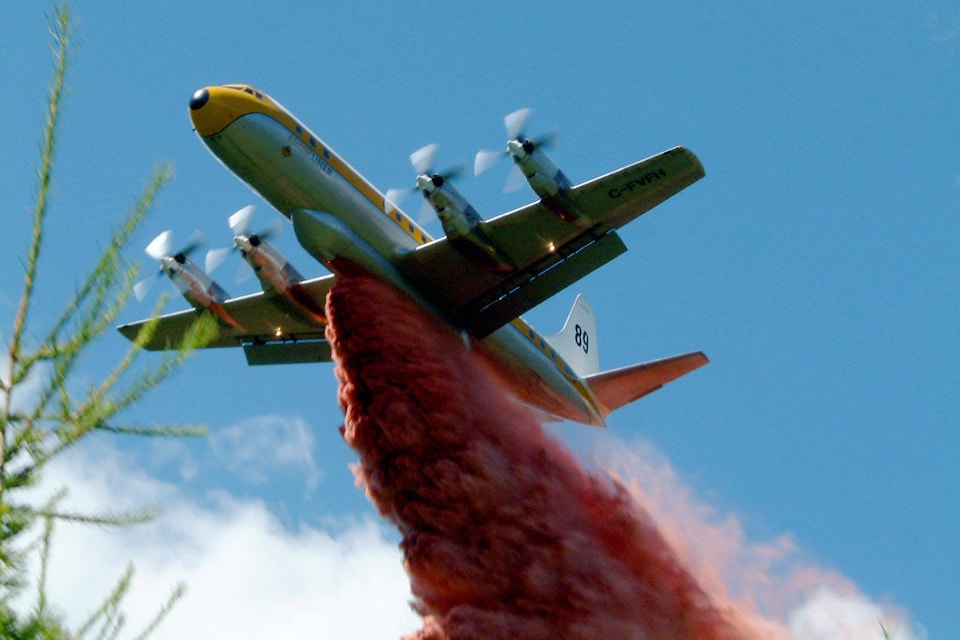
x=208 y=117
x=212 y=109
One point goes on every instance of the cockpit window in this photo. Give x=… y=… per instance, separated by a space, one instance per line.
x=245 y=89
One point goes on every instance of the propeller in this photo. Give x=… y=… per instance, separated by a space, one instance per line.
x=162 y=247
x=240 y=225
x=142 y=287
x=422 y=161
x=518 y=142
x=215 y=258
x=240 y=221
x=516 y=122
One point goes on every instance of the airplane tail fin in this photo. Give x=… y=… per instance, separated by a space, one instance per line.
x=618 y=387
x=577 y=341
x=577 y=345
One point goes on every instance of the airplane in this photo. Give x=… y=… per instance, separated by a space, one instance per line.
x=479 y=278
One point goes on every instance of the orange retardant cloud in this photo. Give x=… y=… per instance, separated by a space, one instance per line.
x=504 y=534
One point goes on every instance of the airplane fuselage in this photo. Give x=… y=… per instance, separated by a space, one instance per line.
x=344 y=222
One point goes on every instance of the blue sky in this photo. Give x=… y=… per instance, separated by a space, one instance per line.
x=816 y=264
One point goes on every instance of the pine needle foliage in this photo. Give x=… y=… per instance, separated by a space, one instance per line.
x=42 y=416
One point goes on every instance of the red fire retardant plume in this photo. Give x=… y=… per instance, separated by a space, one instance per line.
x=504 y=535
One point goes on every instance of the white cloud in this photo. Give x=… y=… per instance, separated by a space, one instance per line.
x=26 y=393
x=260 y=446
x=247 y=575
x=829 y=615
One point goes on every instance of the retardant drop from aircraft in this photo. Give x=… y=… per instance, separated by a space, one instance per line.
x=504 y=535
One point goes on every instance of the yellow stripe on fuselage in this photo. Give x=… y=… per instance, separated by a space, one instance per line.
x=236 y=100
x=541 y=343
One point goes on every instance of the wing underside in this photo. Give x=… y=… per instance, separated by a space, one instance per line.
x=550 y=252
x=267 y=334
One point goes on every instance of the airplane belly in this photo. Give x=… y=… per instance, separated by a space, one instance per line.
x=534 y=379
x=331 y=241
x=290 y=174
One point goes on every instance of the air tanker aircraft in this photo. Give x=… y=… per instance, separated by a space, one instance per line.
x=479 y=278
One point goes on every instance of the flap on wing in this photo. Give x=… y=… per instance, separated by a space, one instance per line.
x=550 y=252
x=498 y=307
x=287 y=352
x=618 y=387
x=260 y=320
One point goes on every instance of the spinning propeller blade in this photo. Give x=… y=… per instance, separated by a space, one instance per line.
x=215 y=258
x=240 y=221
x=422 y=158
x=194 y=242
x=516 y=122
x=160 y=246
x=142 y=287
x=485 y=159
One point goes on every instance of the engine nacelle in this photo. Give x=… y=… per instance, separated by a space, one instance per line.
x=272 y=269
x=544 y=177
x=192 y=282
x=462 y=224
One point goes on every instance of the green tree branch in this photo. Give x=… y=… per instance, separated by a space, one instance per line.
x=57 y=418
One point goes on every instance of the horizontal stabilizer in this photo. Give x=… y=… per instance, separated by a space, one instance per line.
x=618 y=387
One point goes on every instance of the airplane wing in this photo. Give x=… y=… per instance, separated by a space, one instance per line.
x=268 y=335
x=550 y=252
